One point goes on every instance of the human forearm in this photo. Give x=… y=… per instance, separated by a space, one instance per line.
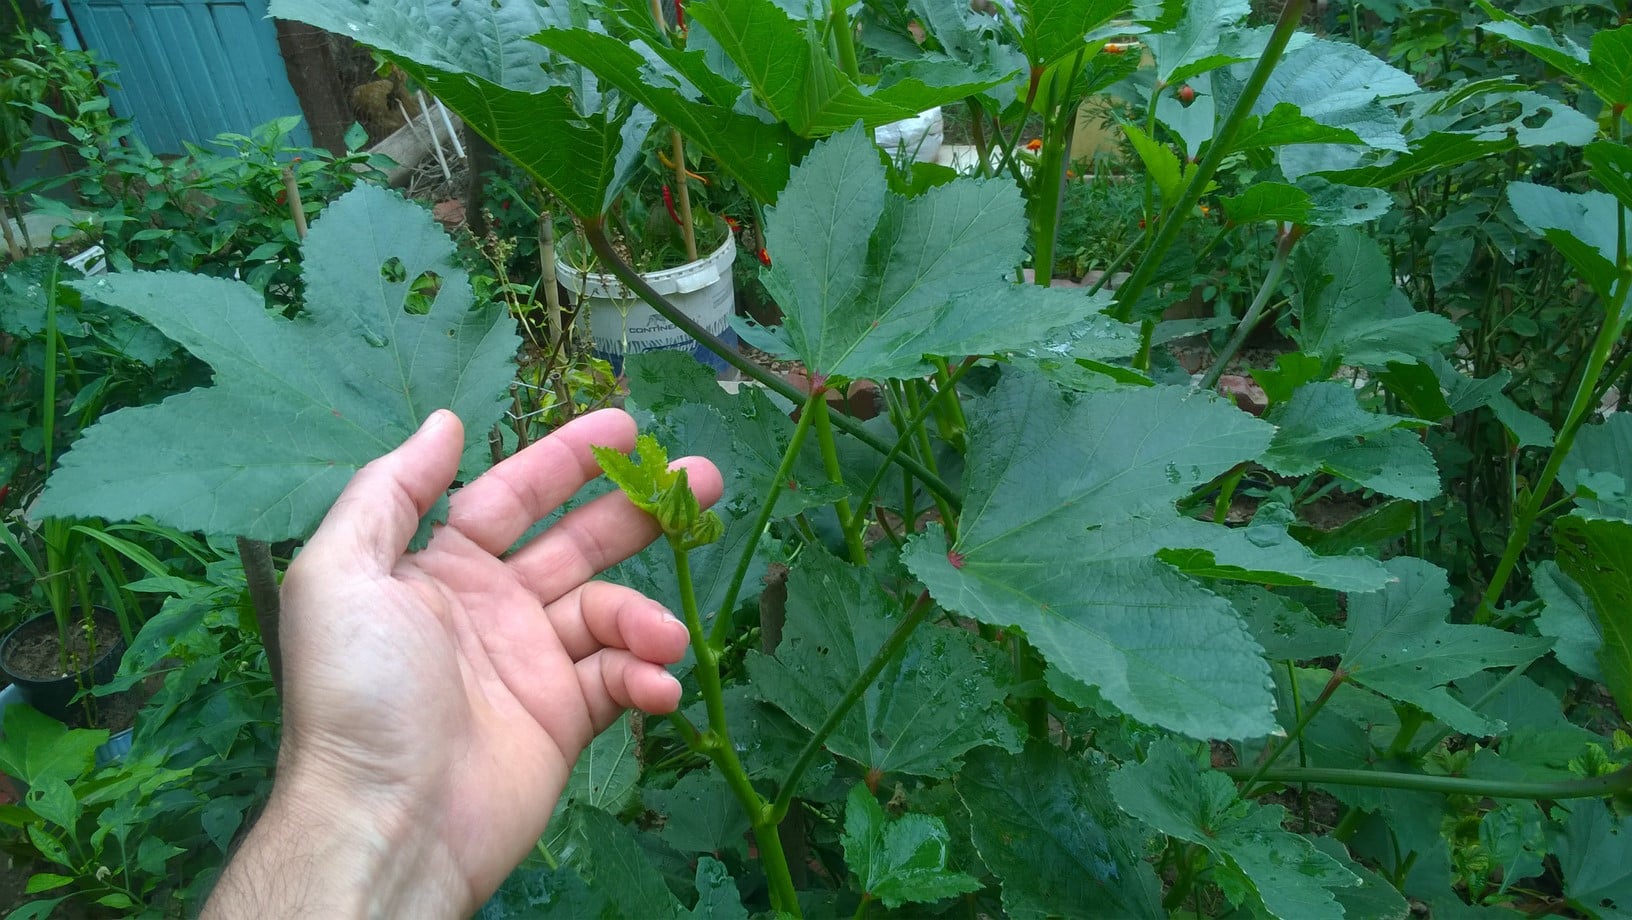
x=311 y=855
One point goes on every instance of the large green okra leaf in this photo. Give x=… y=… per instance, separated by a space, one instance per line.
x=298 y=405
x=870 y=282
x=1049 y=477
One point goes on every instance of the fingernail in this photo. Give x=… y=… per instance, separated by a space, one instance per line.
x=671 y=618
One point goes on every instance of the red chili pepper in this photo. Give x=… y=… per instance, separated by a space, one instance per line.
x=4 y=491
x=283 y=196
x=732 y=223
x=764 y=257
x=1034 y=144
x=680 y=15
x=668 y=203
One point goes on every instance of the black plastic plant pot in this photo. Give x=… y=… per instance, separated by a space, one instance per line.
x=53 y=694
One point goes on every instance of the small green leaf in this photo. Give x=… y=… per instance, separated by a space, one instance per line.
x=1597 y=554
x=46 y=881
x=1045 y=825
x=1401 y=646
x=1323 y=427
x=356 y=136
x=898 y=861
x=1193 y=46
x=1285 y=872
x=941 y=696
x=298 y=406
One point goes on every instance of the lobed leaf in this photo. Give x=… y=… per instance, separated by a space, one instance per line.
x=297 y=406
x=1156 y=644
x=870 y=282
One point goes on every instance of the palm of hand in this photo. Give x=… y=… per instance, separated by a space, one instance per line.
x=457 y=682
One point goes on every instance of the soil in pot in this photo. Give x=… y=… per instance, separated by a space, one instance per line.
x=33 y=657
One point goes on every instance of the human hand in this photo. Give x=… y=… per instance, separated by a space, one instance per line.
x=434 y=703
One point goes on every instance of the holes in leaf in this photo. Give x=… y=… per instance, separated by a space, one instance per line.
x=1537 y=118
x=393 y=271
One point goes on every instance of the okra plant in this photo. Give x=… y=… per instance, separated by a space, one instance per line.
x=1052 y=636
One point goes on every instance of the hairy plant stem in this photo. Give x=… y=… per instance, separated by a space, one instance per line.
x=1048 y=178
x=262 y=577
x=858 y=688
x=717 y=745
x=1128 y=294
x=601 y=244
x=1580 y=405
x=817 y=406
x=1249 y=321
x=1590 y=787
x=784 y=472
x=1337 y=679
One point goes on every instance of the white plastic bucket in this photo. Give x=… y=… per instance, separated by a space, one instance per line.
x=919 y=137
x=623 y=324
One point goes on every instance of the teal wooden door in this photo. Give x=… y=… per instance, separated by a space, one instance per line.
x=189 y=69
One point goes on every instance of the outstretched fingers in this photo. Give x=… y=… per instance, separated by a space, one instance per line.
x=496 y=509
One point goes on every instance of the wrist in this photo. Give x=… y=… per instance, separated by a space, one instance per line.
x=319 y=850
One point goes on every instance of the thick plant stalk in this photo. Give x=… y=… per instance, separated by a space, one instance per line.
x=817 y=406
x=12 y=248
x=601 y=244
x=1128 y=294
x=717 y=745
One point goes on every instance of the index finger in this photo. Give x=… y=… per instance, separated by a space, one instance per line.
x=496 y=509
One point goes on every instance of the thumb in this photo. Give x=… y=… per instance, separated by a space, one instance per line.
x=379 y=510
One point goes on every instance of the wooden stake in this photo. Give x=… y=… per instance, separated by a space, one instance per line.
x=291 y=194
x=678 y=151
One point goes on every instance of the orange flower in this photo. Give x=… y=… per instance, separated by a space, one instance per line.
x=1034 y=145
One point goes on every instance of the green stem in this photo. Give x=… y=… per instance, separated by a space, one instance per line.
x=886 y=653
x=1336 y=680
x=909 y=428
x=844 y=39
x=717 y=744
x=784 y=472
x=817 y=406
x=601 y=244
x=1249 y=321
x=1128 y=294
x=1525 y=520
x=1591 y=787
